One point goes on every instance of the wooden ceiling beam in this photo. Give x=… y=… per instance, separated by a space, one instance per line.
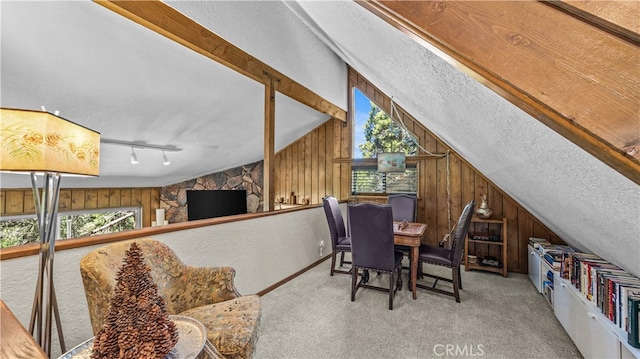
x=163 y=19
x=575 y=78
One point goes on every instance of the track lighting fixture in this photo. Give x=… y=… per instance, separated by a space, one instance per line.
x=143 y=146
x=134 y=158
x=165 y=159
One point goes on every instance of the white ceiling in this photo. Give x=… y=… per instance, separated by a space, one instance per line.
x=130 y=84
x=109 y=74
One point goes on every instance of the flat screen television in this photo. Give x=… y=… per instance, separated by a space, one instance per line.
x=215 y=203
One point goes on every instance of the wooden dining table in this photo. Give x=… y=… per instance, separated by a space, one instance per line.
x=410 y=236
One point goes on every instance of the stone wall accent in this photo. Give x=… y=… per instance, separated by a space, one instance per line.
x=173 y=198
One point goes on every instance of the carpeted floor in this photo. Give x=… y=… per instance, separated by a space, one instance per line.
x=312 y=316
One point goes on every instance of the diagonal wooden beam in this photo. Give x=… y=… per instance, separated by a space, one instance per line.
x=586 y=93
x=165 y=20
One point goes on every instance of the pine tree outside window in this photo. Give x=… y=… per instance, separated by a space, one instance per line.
x=374 y=132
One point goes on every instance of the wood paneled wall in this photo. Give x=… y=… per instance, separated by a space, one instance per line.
x=320 y=164
x=20 y=201
x=465 y=184
x=316 y=165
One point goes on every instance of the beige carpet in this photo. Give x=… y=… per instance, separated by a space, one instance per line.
x=313 y=317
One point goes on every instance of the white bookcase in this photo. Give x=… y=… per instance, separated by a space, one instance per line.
x=534 y=268
x=593 y=334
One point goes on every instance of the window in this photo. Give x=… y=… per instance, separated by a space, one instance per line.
x=374 y=132
x=367 y=179
x=23 y=229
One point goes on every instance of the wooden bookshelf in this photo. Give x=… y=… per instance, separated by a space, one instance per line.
x=489 y=225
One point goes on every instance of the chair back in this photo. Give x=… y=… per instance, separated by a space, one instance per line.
x=371 y=229
x=99 y=269
x=181 y=286
x=404 y=206
x=460 y=233
x=334 y=218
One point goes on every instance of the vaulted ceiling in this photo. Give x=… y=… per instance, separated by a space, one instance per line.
x=557 y=136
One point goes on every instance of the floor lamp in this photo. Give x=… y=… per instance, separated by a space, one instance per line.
x=41 y=143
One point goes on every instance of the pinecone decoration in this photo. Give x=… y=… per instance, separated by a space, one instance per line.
x=137 y=324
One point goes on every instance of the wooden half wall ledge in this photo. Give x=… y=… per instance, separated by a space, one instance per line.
x=61 y=245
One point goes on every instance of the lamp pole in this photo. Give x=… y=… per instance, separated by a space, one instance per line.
x=45 y=296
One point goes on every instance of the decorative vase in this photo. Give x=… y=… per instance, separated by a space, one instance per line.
x=484 y=212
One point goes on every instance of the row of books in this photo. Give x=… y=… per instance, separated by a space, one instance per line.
x=612 y=289
x=551 y=253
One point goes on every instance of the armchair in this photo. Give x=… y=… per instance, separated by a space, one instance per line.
x=205 y=293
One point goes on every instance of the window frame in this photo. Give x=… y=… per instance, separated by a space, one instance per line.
x=137 y=214
x=371 y=164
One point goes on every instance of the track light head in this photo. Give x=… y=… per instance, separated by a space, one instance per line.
x=165 y=159
x=134 y=158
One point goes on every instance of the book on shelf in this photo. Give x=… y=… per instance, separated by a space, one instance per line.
x=534 y=240
x=634 y=318
x=625 y=293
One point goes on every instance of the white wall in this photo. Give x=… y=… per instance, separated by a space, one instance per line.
x=263 y=251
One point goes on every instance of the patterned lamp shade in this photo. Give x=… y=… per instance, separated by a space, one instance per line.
x=38 y=141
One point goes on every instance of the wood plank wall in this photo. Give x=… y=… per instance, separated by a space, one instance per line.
x=20 y=201
x=466 y=184
x=320 y=164
x=316 y=165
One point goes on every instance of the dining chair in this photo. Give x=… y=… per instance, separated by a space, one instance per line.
x=449 y=258
x=340 y=242
x=405 y=207
x=371 y=229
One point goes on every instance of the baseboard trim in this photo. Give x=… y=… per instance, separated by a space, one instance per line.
x=276 y=285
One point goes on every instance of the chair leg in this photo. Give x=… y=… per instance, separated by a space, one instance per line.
x=399 y=280
x=341 y=259
x=333 y=262
x=459 y=278
x=455 y=282
x=391 y=291
x=354 y=280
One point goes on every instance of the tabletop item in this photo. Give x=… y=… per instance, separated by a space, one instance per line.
x=191 y=341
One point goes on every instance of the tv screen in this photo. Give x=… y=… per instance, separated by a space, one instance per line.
x=215 y=203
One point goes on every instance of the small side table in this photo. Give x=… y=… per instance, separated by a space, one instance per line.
x=16 y=341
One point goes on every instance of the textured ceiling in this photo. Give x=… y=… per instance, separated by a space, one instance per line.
x=581 y=199
x=107 y=73
x=130 y=84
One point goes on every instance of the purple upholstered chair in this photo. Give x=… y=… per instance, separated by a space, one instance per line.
x=371 y=229
x=405 y=207
x=340 y=242
x=448 y=257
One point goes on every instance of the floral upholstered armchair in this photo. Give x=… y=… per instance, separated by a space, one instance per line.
x=206 y=294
